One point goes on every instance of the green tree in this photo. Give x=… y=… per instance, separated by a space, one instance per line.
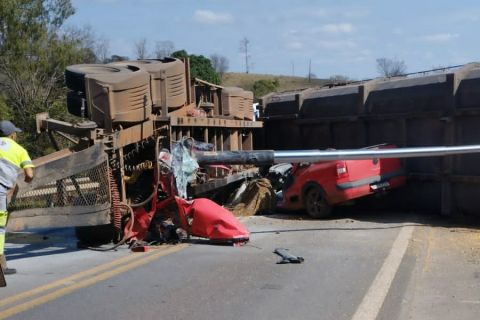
x=5 y=111
x=34 y=52
x=264 y=86
x=200 y=66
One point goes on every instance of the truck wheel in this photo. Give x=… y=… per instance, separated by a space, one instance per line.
x=75 y=75
x=316 y=204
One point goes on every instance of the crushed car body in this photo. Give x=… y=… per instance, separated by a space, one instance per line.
x=316 y=187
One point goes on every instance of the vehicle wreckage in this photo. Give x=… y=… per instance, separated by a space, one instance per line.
x=114 y=174
x=135 y=157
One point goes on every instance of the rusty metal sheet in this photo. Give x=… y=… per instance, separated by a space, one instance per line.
x=468 y=92
x=64 y=167
x=222 y=182
x=316 y=136
x=71 y=190
x=340 y=101
x=412 y=94
x=133 y=134
x=283 y=135
x=213 y=122
x=59 y=217
x=346 y=135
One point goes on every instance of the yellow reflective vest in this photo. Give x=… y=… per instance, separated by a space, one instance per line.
x=12 y=158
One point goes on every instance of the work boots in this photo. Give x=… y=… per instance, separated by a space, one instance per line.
x=3 y=264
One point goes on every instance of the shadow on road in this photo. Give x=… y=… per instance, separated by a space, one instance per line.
x=36 y=243
x=377 y=210
x=344 y=218
x=385 y=219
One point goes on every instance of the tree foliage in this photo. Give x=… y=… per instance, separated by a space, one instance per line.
x=90 y=48
x=264 y=86
x=102 y=49
x=34 y=52
x=391 y=67
x=338 y=79
x=219 y=63
x=141 y=49
x=200 y=66
x=117 y=58
x=163 y=49
x=5 y=111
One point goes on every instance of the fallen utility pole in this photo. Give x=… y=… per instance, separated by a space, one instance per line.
x=268 y=157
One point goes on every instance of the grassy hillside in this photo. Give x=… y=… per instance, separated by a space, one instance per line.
x=287 y=83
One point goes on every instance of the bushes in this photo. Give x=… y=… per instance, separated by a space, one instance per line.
x=263 y=87
x=200 y=67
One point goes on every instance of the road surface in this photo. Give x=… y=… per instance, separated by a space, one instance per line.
x=358 y=266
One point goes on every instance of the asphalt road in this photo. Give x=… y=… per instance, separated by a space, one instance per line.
x=359 y=266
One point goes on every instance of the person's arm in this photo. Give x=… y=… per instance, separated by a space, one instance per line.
x=28 y=174
x=26 y=164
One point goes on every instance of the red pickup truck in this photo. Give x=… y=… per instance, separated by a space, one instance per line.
x=316 y=187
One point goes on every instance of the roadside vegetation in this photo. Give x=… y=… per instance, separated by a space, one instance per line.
x=35 y=48
x=262 y=84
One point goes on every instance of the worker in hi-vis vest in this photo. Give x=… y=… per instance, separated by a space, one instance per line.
x=13 y=157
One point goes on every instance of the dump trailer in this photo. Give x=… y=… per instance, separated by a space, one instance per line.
x=439 y=107
x=128 y=113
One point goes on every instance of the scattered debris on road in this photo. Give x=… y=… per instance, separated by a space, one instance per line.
x=204 y=218
x=252 y=197
x=177 y=219
x=287 y=257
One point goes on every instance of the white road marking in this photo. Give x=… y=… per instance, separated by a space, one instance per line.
x=470 y=301
x=376 y=294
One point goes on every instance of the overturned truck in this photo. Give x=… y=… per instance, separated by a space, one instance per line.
x=119 y=167
x=128 y=113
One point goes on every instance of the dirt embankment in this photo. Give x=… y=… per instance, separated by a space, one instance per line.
x=286 y=83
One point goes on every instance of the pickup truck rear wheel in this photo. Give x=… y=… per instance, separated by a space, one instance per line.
x=316 y=204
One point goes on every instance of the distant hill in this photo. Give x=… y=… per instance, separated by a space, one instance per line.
x=246 y=80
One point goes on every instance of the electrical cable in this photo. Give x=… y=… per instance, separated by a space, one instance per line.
x=125 y=237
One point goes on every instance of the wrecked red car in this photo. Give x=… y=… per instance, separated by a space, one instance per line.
x=204 y=218
x=316 y=187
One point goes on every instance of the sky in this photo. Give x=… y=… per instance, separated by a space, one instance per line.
x=341 y=37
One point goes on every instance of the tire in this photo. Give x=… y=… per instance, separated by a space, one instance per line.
x=74 y=104
x=316 y=204
x=75 y=74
